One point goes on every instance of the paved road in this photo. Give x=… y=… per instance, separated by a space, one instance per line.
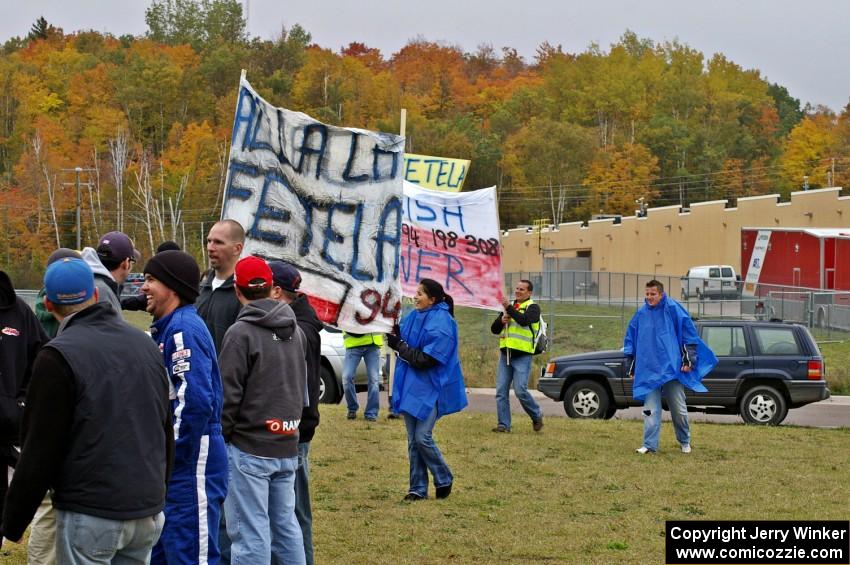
x=831 y=413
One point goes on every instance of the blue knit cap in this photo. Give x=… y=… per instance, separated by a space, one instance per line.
x=68 y=281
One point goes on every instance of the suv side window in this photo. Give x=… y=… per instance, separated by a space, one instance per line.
x=725 y=341
x=714 y=272
x=776 y=341
x=727 y=272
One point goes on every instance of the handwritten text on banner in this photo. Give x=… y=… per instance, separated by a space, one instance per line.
x=326 y=199
x=439 y=173
x=453 y=238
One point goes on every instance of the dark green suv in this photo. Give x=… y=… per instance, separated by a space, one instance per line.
x=764 y=369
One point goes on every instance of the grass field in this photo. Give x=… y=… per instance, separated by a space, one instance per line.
x=574 y=493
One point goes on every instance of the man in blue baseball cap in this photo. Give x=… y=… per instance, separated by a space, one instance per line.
x=96 y=429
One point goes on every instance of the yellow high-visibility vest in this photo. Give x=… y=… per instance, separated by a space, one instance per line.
x=359 y=341
x=517 y=337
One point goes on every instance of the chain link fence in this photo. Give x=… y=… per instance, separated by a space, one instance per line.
x=619 y=295
x=28 y=296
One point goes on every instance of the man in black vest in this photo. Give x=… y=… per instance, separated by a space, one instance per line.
x=96 y=428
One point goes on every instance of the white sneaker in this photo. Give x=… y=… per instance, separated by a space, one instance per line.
x=686 y=448
x=643 y=449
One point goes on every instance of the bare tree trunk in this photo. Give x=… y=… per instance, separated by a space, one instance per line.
x=118 y=150
x=143 y=196
x=562 y=204
x=551 y=197
x=50 y=183
x=51 y=187
x=95 y=213
x=175 y=208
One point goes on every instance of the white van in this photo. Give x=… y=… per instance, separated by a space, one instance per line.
x=710 y=281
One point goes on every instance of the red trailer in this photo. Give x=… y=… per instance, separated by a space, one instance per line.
x=815 y=258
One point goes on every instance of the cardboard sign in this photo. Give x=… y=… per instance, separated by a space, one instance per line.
x=437 y=173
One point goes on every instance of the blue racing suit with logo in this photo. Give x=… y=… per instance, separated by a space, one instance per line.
x=198 y=481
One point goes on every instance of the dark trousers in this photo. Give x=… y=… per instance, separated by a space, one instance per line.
x=8 y=458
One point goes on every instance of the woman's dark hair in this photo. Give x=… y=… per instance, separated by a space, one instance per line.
x=435 y=290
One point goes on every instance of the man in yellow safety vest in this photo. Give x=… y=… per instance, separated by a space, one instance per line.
x=368 y=348
x=517 y=328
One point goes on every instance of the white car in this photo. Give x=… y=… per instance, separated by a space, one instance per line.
x=333 y=356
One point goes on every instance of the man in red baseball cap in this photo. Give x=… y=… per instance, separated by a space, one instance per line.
x=260 y=418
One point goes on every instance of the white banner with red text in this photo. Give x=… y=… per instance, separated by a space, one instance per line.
x=453 y=238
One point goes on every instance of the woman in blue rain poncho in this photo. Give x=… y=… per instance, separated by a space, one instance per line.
x=665 y=355
x=428 y=384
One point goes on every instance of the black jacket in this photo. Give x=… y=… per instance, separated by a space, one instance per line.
x=311 y=326
x=218 y=308
x=97 y=424
x=21 y=336
x=136 y=303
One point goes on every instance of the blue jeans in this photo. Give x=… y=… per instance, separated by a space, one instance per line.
x=303 y=510
x=517 y=372
x=424 y=455
x=674 y=391
x=88 y=540
x=260 y=508
x=371 y=354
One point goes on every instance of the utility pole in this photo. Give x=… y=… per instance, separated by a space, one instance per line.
x=76 y=183
x=402 y=127
x=78 y=170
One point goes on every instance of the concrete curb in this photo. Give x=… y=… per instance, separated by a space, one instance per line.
x=834 y=400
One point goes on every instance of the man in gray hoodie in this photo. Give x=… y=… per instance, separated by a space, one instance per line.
x=111 y=262
x=260 y=419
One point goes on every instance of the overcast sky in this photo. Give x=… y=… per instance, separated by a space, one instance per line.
x=802 y=45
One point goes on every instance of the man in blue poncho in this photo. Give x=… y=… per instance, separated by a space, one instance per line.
x=665 y=354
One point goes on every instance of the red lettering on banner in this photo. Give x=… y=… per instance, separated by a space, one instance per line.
x=463 y=264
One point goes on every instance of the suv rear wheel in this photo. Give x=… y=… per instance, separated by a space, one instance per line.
x=764 y=405
x=586 y=399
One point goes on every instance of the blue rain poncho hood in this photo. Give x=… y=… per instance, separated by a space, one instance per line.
x=416 y=391
x=655 y=339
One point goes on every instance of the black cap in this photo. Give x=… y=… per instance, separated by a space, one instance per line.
x=285 y=275
x=178 y=271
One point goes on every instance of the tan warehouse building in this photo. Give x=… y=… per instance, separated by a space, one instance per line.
x=668 y=241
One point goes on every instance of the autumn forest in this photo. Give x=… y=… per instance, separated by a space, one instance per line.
x=143 y=123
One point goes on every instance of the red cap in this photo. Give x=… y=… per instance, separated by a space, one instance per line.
x=252 y=272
